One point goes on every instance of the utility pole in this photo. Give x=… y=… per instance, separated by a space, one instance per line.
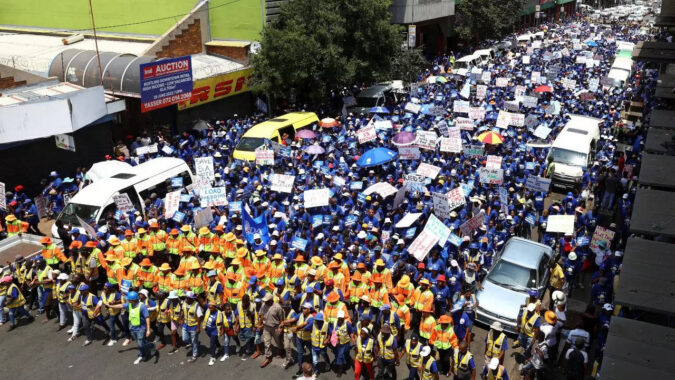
x=98 y=56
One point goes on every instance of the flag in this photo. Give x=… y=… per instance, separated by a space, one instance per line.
x=254 y=226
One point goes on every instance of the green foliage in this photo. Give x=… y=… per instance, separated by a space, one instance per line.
x=315 y=46
x=481 y=19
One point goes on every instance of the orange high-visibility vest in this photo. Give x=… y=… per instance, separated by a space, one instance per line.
x=427 y=327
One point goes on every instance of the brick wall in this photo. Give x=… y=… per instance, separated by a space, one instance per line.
x=239 y=54
x=187 y=42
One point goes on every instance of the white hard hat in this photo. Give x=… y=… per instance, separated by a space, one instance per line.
x=559 y=298
x=494 y=363
x=341 y=314
x=572 y=256
x=426 y=350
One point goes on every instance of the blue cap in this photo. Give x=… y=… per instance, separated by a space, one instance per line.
x=74 y=231
x=100 y=234
x=318 y=317
x=385 y=307
x=132 y=296
x=253 y=280
x=71 y=286
x=108 y=285
x=84 y=287
x=280 y=282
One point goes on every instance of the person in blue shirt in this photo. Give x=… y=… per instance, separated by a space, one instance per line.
x=345 y=332
x=461 y=367
x=494 y=370
x=139 y=326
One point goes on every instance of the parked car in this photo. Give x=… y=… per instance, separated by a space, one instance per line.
x=520 y=266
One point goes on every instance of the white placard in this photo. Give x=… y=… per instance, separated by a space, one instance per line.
x=408 y=220
x=426 y=140
x=535 y=183
x=204 y=167
x=542 y=131
x=517 y=119
x=316 y=197
x=535 y=77
x=282 y=183
x=382 y=188
x=461 y=106
x=476 y=113
x=456 y=198
x=560 y=223
x=203 y=217
x=213 y=196
x=502 y=82
x=503 y=120
x=519 y=91
x=493 y=162
x=486 y=77
x=526 y=60
x=172 y=203
x=123 y=202
x=530 y=101
x=441 y=206
x=264 y=157
x=366 y=134
x=413 y=107
x=3 y=201
x=152 y=148
x=593 y=84
x=408 y=153
x=429 y=171
x=481 y=91
x=491 y=176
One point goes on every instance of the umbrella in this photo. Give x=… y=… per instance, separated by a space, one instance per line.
x=305 y=134
x=543 y=88
x=403 y=138
x=329 y=122
x=201 y=125
x=376 y=156
x=441 y=80
x=591 y=43
x=378 y=110
x=314 y=149
x=490 y=137
x=431 y=79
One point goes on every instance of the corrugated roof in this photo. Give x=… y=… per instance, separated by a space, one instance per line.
x=40 y=92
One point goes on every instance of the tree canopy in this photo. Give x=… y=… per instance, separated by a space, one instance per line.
x=315 y=46
x=481 y=19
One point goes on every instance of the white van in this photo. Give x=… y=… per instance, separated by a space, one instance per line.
x=467 y=62
x=485 y=55
x=573 y=151
x=95 y=202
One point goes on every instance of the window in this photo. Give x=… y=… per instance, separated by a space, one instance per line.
x=73 y=210
x=579 y=131
x=122 y=176
x=250 y=144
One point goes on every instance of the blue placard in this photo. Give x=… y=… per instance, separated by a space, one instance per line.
x=178 y=216
x=327 y=219
x=341 y=138
x=454 y=240
x=325 y=170
x=530 y=219
x=357 y=185
x=299 y=243
x=410 y=232
x=125 y=285
x=185 y=198
x=350 y=220
x=529 y=165
x=317 y=220
x=582 y=241
x=165 y=82
x=177 y=182
x=285 y=151
x=361 y=197
x=317 y=164
x=118 y=215
x=234 y=207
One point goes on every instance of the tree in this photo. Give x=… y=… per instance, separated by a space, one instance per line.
x=315 y=46
x=481 y=19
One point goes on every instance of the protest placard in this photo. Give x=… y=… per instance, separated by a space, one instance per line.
x=316 y=197
x=486 y=77
x=542 y=131
x=502 y=82
x=400 y=196
x=473 y=150
x=472 y=224
x=441 y=206
x=601 y=234
x=422 y=244
x=383 y=188
x=203 y=217
x=442 y=128
x=178 y=216
x=299 y=243
x=534 y=78
x=593 y=84
x=167 y=149
x=481 y=90
x=339 y=181
x=264 y=156
x=213 y=196
x=451 y=144
x=456 y=198
x=493 y=162
x=531 y=121
x=519 y=91
x=382 y=125
x=366 y=134
x=517 y=119
x=427 y=170
x=408 y=220
x=530 y=101
x=356 y=185
x=560 y=223
x=282 y=183
x=513 y=105
x=123 y=202
x=503 y=119
x=413 y=107
x=426 y=140
x=204 y=167
x=535 y=183
x=475 y=113
x=408 y=153
x=526 y=59
x=569 y=83
x=148 y=149
x=438 y=229
x=41 y=204
x=491 y=176
x=87 y=227
x=172 y=203
x=465 y=91
x=461 y=106
x=581 y=59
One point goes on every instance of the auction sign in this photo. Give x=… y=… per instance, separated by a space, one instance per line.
x=165 y=82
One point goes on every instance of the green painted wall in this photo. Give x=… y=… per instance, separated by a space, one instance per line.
x=230 y=19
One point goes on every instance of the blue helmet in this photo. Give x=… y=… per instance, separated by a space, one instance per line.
x=132 y=296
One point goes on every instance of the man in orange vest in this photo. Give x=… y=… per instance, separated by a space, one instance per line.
x=147 y=274
x=129 y=244
x=51 y=253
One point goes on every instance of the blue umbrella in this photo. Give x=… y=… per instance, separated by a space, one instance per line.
x=591 y=43
x=378 y=110
x=376 y=156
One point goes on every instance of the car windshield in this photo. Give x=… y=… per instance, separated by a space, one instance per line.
x=512 y=276
x=72 y=210
x=366 y=101
x=568 y=157
x=249 y=144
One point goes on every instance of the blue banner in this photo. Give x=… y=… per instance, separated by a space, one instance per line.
x=234 y=207
x=299 y=243
x=178 y=216
x=530 y=219
x=165 y=82
x=253 y=226
x=410 y=232
x=350 y=220
x=356 y=185
x=185 y=198
x=454 y=240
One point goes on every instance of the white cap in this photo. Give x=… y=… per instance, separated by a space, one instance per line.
x=426 y=350
x=572 y=256
x=453 y=263
x=62 y=277
x=341 y=314
x=531 y=307
x=608 y=307
x=144 y=292
x=319 y=236
x=494 y=363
